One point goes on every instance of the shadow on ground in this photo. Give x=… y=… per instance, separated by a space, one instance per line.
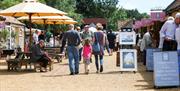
x=6 y=72
x=148 y=78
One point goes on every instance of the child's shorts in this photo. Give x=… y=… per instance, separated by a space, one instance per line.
x=86 y=61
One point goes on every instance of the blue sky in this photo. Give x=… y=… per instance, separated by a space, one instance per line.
x=144 y=5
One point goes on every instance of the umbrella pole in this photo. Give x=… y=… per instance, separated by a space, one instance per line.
x=44 y=21
x=45 y=27
x=54 y=34
x=30 y=39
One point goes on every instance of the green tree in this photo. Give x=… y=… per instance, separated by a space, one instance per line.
x=134 y=13
x=67 y=6
x=119 y=14
x=8 y=3
x=145 y=15
x=86 y=7
x=101 y=9
x=96 y=8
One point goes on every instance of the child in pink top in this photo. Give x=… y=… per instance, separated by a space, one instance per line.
x=87 y=53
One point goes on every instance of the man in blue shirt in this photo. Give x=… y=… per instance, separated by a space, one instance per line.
x=73 y=40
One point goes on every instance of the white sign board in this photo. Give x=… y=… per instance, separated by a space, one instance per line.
x=128 y=60
x=127 y=38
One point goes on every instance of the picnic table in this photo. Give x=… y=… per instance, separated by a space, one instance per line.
x=54 y=52
x=8 y=52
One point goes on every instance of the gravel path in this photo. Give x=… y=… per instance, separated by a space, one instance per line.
x=60 y=80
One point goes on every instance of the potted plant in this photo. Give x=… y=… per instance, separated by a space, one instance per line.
x=4 y=34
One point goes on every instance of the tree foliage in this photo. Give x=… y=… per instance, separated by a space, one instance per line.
x=119 y=14
x=99 y=9
x=135 y=14
x=106 y=9
x=67 y=6
x=96 y=8
x=7 y=3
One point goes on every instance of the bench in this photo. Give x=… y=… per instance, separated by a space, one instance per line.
x=20 y=60
x=55 y=53
x=37 y=65
x=30 y=62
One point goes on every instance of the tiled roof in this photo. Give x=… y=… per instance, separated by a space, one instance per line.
x=175 y=5
x=124 y=23
x=12 y=20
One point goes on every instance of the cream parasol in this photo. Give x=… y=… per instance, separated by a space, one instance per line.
x=31 y=8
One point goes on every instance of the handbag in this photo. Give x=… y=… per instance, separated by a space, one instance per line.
x=96 y=45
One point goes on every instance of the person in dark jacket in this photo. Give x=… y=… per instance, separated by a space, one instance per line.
x=112 y=39
x=41 y=36
x=38 y=55
x=73 y=40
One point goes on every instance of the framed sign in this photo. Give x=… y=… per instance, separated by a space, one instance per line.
x=128 y=60
x=166 y=70
x=127 y=38
x=149 y=58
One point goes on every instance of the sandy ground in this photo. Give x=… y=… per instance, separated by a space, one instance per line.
x=60 y=80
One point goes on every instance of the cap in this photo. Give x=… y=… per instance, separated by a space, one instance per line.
x=41 y=41
x=177 y=15
x=86 y=26
x=170 y=18
x=78 y=28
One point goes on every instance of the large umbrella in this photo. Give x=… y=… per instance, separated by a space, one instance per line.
x=46 y=18
x=43 y=19
x=31 y=8
x=54 y=22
